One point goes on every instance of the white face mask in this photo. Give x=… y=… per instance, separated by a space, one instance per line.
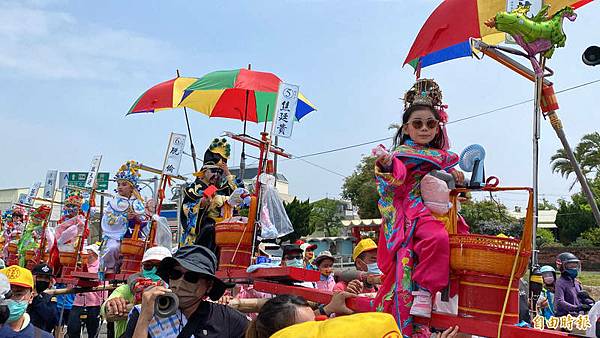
x=295 y=263
x=373 y=269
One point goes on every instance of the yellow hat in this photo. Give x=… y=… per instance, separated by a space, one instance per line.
x=18 y=276
x=368 y=324
x=362 y=246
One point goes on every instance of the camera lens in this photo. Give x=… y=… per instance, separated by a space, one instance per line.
x=166 y=305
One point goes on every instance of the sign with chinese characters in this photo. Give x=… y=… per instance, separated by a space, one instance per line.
x=568 y=322
x=50 y=184
x=33 y=191
x=22 y=198
x=94 y=167
x=78 y=179
x=285 y=110
x=174 y=154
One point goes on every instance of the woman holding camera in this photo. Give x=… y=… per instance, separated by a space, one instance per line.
x=190 y=274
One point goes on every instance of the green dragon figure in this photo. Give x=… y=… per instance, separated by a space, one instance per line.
x=538 y=34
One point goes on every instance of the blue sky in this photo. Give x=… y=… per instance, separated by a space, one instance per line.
x=71 y=69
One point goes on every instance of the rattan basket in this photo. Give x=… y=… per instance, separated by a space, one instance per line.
x=487 y=254
x=492 y=255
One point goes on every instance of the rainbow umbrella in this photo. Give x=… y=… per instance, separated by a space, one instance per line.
x=165 y=95
x=447 y=32
x=239 y=94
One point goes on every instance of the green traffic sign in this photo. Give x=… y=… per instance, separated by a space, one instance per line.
x=78 y=179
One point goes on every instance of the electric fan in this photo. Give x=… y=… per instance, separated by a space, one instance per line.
x=471 y=160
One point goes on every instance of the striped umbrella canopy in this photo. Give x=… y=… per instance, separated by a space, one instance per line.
x=165 y=95
x=447 y=32
x=239 y=94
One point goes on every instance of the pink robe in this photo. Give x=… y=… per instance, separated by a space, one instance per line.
x=408 y=231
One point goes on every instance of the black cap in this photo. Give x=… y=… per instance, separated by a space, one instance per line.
x=42 y=269
x=198 y=259
x=290 y=248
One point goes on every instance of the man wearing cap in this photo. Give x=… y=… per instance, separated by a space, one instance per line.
x=42 y=310
x=120 y=300
x=190 y=274
x=19 y=323
x=365 y=260
x=86 y=306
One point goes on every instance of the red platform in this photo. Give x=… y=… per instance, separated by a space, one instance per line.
x=282 y=274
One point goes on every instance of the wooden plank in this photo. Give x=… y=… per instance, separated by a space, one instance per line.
x=275 y=274
x=484 y=328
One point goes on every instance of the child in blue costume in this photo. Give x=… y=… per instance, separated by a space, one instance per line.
x=121 y=215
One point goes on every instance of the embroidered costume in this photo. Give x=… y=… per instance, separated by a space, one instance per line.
x=116 y=222
x=205 y=197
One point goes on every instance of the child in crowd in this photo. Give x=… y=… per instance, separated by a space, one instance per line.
x=324 y=262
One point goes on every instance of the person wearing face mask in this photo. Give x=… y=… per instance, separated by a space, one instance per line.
x=365 y=260
x=18 y=324
x=124 y=296
x=190 y=274
x=568 y=288
x=545 y=303
x=42 y=310
x=292 y=256
x=205 y=197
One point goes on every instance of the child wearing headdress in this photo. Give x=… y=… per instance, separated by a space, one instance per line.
x=414 y=252
x=122 y=214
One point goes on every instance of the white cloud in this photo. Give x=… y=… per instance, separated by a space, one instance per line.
x=51 y=44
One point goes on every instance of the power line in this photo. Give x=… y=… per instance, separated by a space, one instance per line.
x=323 y=168
x=450 y=122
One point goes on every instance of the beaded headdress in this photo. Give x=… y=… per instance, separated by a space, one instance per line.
x=129 y=172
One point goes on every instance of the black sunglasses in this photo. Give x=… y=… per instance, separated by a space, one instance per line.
x=188 y=276
x=293 y=256
x=430 y=123
x=216 y=171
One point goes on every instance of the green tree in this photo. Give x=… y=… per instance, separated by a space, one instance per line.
x=544 y=238
x=587 y=154
x=592 y=235
x=546 y=205
x=361 y=190
x=299 y=214
x=490 y=218
x=325 y=216
x=575 y=216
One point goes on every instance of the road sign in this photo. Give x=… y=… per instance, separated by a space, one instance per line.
x=78 y=179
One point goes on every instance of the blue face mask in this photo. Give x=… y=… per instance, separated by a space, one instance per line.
x=17 y=308
x=572 y=272
x=295 y=263
x=151 y=274
x=373 y=269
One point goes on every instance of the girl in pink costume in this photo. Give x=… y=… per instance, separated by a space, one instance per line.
x=414 y=253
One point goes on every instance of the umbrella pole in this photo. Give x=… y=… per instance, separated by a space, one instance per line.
x=243 y=156
x=539 y=82
x=187 y=122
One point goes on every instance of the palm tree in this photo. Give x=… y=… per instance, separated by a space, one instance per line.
x=587 y=154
